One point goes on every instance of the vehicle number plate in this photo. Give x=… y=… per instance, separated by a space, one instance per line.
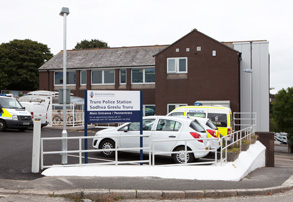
x=26 y=123
x=207 y=148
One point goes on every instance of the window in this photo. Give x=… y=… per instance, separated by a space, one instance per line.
x=83 y=77
x=171 y=107
x=197 y=114
x=140 y=76
x=147 y=124
x=177 y=114
x=220 y=120
x=123 y=76
x=149 y=110
x=176 y=65
x=168 y=125
x=70 y=77
x=103 y=77
x=196 y=126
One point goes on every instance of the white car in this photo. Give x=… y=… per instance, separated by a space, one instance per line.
x=212 y=131
x=165 y=128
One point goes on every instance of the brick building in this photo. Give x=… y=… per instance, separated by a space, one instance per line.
x=194 y=68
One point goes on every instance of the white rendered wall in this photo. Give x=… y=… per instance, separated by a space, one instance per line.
x=255 y=55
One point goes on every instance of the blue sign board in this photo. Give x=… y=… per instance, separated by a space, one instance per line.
x=112 y=107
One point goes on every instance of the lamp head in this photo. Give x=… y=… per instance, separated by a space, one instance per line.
x=63 y=11
x=247 y=70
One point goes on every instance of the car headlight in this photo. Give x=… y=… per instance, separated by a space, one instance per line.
x=14 y=117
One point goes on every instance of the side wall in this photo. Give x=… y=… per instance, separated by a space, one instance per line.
x=255 y=56
x=209 y=77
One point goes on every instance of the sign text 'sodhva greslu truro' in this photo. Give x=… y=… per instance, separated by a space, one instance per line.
x=113 y=106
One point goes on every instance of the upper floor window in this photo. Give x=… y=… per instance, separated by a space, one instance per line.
x=83 y=77
x=176 y=65
x=103 y=77
x=140 y=76
x=70 y=77
x=123 y=76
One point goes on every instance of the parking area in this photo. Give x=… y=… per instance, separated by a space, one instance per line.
x=16 y=153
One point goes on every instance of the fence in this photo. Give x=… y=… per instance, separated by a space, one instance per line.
x=74 y=115
x=237 y=138
x=242 y=120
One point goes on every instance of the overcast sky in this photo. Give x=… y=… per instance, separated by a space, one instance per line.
x=150 y=22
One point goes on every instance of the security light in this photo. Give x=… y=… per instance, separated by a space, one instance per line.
x=64 y=10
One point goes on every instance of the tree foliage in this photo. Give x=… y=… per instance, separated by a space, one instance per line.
x=94 y=43
x=19 y=63
x=283 y=110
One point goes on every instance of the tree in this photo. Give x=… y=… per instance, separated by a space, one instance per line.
x=19 y=63
x=283 y=113
x=94 y=43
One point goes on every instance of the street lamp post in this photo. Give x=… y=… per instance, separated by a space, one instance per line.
x=251 y=98
x=64 y=12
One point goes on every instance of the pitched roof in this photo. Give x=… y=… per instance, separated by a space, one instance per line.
x=105 y=57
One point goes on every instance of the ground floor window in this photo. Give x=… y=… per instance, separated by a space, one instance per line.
x=103 y=77
x=70 y=77
x=141 y=76
x=171 y=107
x=149 y=110
x=83 y=77
x=123 y=76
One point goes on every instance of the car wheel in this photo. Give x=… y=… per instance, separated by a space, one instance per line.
x=108 y=144
x=180 y=156
x=2 y=125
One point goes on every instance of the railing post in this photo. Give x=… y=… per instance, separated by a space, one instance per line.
x=80 y=153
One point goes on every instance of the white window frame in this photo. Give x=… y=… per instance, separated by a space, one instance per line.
x=176 y=106
x=80 y=76
x=121 y=74
x=143 y=76
x=66 y=78
x=103 y=77
x=143 y=108
x=177 y=65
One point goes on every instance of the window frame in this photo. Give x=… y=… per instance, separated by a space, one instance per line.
x=103 y=77
x=143 y=76
x=176 y=106
x=71 y=71
x=83 y=84
x=144 y=106
x=177 y=65
x=121 y=75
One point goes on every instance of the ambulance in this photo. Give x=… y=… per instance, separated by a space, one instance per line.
x=13 y=115
x=219 y=115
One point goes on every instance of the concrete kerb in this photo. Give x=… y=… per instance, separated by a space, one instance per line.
x=156 y=194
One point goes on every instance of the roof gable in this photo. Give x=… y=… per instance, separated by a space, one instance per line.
x=192 y=32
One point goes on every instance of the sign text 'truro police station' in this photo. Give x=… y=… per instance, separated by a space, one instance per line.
x=113 y=106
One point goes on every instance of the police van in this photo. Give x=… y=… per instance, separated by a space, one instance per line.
x=219 y=115
x=13 y=115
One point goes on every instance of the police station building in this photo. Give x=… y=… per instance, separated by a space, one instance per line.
x=195 y=68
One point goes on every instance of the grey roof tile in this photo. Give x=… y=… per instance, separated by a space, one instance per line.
x=106 y=57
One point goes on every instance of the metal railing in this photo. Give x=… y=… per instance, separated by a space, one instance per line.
x=74 y=115
x=244 y=119
x=236 y=141
x=237 y=138
x=80 y=151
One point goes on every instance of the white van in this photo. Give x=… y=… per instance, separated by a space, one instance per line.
x=13 y=115
x=37 y=107
x=220 y=116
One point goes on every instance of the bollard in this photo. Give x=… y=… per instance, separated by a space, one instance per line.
x=36 y=146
